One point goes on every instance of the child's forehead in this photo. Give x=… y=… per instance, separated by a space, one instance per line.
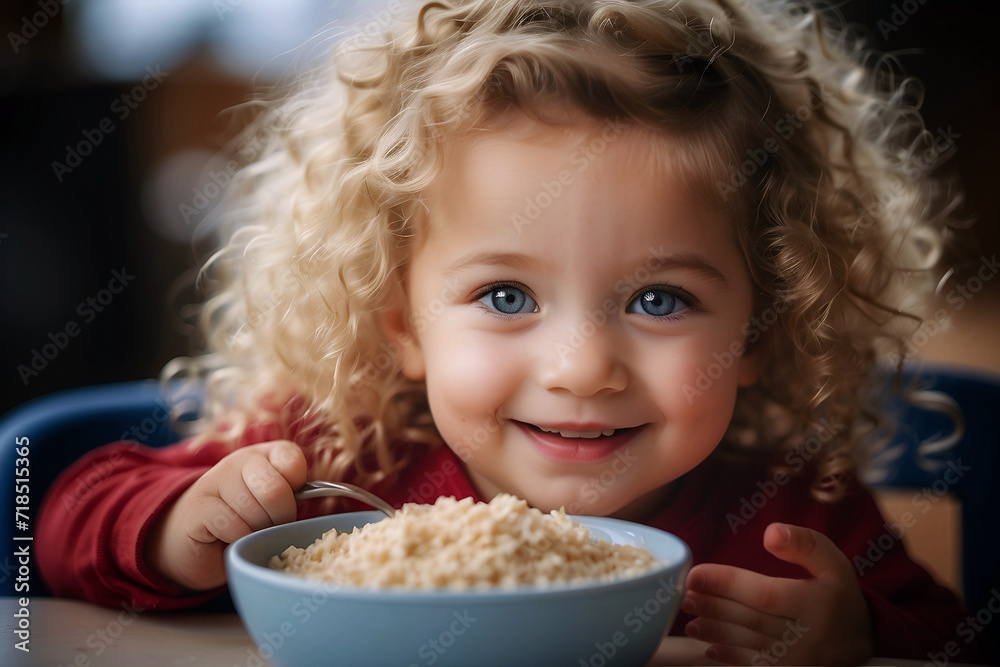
x=525 y=168
x=568 y=141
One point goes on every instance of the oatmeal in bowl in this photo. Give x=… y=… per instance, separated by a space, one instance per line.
x=462 y=545
x=458 y=583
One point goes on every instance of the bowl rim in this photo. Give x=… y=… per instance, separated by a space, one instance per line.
x=236 y=562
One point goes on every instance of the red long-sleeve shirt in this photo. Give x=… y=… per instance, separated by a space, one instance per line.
x=95 y=519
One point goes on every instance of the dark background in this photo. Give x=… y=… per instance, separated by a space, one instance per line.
x=61 y=241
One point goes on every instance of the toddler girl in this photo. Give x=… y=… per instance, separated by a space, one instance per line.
x=618 y=257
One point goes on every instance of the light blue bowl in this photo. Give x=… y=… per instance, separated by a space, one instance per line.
x=299 y=622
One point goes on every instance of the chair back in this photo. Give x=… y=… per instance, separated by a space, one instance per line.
x=969 y=470
x=39 y=439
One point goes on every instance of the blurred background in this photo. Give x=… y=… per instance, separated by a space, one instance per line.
x=114 y=130
x=112 y=165
x=114 y=125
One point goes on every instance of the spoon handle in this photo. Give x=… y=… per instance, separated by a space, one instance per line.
x=320 y=489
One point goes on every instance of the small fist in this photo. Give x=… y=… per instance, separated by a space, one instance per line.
x=250 y=489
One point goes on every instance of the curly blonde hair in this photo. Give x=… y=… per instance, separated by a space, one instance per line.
x=781 y=125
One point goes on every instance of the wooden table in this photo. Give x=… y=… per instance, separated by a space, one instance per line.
x=69 y=632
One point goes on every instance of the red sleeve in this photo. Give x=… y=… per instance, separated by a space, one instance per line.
x=95 y=517
x=94 y=521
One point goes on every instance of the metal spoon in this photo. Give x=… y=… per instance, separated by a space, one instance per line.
x=320 y=489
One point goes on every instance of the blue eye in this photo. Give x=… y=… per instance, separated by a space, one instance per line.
x=509 y=300
x=656 y=303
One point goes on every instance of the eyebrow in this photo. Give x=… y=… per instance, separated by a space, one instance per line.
x=689 y=261
x=487 y=258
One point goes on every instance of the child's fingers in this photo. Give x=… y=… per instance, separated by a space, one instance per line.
x=729 y=654
x=267 y=499
x=221 y=522
x=288 y=459
x=806 y=547
x=731 y=611
x=680 y=651
x=238 y=481
x=770 y=595
x=720 y=632
x=235 y=492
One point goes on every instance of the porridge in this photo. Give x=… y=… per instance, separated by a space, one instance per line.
x=460 y=544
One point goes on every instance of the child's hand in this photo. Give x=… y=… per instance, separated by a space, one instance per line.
x=248 y=490
x=752 y=619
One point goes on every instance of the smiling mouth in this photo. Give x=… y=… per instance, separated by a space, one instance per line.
x=587 y=444
x=585 y=435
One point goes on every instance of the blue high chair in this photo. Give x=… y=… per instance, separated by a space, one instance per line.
x=57 y=430
x=969 y=470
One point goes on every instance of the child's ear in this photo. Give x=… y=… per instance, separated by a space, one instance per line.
x=754 y=359
x=396 y=326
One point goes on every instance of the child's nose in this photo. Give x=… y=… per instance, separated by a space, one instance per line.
x=585 y=362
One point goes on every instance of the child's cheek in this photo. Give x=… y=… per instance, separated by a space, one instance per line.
x=702 y=383
x=465 y=386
